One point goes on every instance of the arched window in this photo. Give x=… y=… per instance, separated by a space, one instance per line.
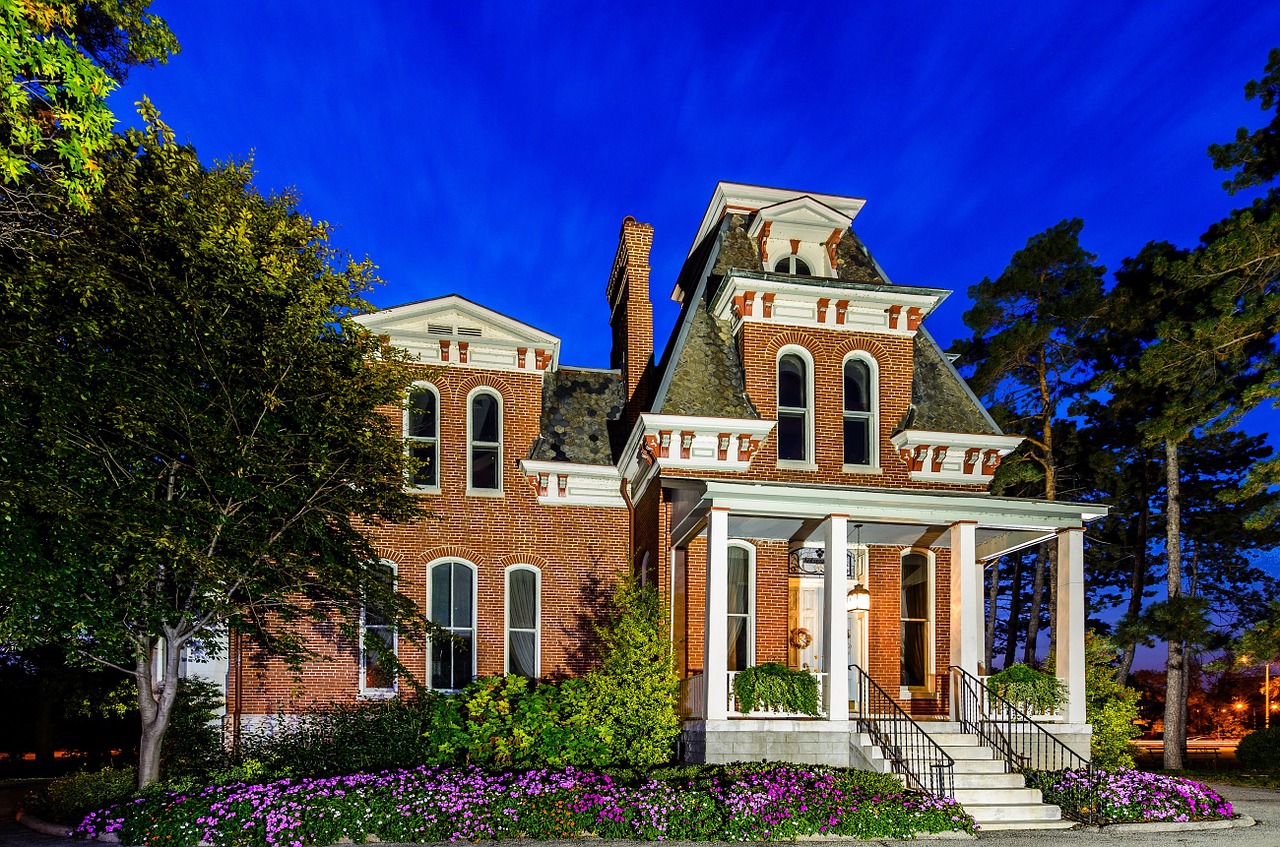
x=794 y=409
x=484 y=425
x=378 y=641
x=860 y=429
x=524 y=620
x=422 y=431
x=452 y=604
x=793 y=265
x=741 y=607
x=917 y=619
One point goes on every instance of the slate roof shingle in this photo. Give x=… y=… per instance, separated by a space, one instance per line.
x=580 y=411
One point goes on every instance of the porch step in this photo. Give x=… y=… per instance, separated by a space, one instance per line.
x=1004 y=796
x=988 y=781
x=990 y=817
x=979 y=766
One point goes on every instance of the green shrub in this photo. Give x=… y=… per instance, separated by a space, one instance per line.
x=1111 y=707
x=1032 y=691
x=1260 y=749
x=193 y=749
x=777 y=687
x=631 y=698
x=69 y=798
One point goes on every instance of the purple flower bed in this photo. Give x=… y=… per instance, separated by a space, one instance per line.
x=1131 y=795
x=452 y=804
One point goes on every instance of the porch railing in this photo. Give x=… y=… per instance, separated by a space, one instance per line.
x=693 y=699
x=911 y=753
x=773 y=713
x=1022 y=743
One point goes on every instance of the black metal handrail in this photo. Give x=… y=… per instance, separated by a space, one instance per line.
x=1023 y=744
x=912 y=754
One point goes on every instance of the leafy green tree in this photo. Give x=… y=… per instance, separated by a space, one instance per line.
x=1026 y=356
x=60 y=61
x=1110 y=707
x=1254 y=156
x=189 y=439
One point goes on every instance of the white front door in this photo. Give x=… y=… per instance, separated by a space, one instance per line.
x=805 y=648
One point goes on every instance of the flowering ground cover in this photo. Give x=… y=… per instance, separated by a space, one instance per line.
x=1132 y=795
x=453 y=804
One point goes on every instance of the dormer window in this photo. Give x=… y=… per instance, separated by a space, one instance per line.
x=793 y=265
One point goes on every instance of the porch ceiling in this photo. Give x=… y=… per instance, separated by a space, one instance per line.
x=991 y=541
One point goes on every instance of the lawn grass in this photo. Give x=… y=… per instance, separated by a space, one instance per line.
x=1249 y=779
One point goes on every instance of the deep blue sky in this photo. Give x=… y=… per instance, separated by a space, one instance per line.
x=492 y=149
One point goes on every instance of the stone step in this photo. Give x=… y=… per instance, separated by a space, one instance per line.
x=1030 y=824
x=996 y=813
x=970 y=753
x=979 y=766
x=1001 y=796
x=955 y=739
x=989 y=780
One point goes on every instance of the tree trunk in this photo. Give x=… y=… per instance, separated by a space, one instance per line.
x=1033 y=616
x=993 y=606
x=1138 y=577
x=1015 y=612
x=156 y=706
x=1175 y=697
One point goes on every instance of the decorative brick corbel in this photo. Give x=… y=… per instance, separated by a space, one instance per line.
x=894 y=313
x=939 y=456
x=823 y=303
x=541 y=359
x=722 y=446
x=971 y=459
x=748 y=300
x=768 y=304
x=747 y=447
x=795 y=246
x=739 y=307
x=664 y=443
x=651 y=444
x=842 y=310
x=686 y=444
x=918 y=457
x=462 y=352
x=521 y=352
x=762 y=241
x=914 y=316
x=444 y=349
x=831 y=245
x=990 y=461
x=542 y=483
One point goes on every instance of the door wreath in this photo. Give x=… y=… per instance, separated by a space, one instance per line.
x=800 y=638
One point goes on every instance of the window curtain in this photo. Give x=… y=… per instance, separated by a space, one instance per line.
x=739 y=608
x=522 y=607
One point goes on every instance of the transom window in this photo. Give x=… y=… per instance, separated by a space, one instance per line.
x=422 y=431
x=859 y=413
x=523 y=621
x=917 y=614
x=378 y=642
x=793 y=265
x=741 y=608
x=453 y=608
x=793 y=408
x=485 y=427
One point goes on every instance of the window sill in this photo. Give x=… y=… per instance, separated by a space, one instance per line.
x=378 y=694
x=418 y=489
x=485 y=492
x=868 y=470
x=792 y=465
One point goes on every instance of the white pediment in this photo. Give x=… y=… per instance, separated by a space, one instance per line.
x=453 y=330
x=800 y=214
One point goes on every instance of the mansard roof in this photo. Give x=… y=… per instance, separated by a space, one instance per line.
x=708 y=380
x=941 y=401
x=581 y=417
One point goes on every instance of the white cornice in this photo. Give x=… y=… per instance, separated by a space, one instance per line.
x=748 y=198
x=689 y=442
x=952 y=456
x=574 y=483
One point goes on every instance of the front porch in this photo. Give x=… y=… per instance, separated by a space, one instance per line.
x=916 y=629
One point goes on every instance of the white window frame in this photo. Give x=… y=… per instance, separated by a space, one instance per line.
x=791 y=259
x=751 y=600
x=537 y=619
x=930 y=634
x=471 y=443
x=809 y=462
x=379 y=693
x=873 y=416
x=411 y=440
x=475 y=612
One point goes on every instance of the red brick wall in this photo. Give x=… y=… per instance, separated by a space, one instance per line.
x=579 y=550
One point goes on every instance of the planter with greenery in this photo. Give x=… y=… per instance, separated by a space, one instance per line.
x=776 y=688
x=1032 y=691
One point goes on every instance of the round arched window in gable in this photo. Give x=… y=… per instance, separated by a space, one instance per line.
x=793 y=265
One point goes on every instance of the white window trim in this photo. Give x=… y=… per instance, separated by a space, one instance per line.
x=409 y=440
x=497 y=395
x=475 y=612
x=506 y=618
x=379 y=693
x=928 y=691
x=751 y=599
x=809 y=462
x=873 y=447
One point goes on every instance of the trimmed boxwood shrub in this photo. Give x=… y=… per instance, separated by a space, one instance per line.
x=1260 y=749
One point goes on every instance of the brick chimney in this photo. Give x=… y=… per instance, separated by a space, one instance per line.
x=631 y=315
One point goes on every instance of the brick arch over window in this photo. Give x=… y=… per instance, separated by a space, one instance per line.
x=449 y=551
x=523 y=559
x=870 y=346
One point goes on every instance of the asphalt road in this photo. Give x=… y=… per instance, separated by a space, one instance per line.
x=1261 y=804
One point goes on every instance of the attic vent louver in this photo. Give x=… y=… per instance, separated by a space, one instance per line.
x=473 y=331
x=440 y=329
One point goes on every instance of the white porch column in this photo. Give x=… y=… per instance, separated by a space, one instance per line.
x=715 y=631
x=1070 y=620
x=967 y=620
x=835 y=618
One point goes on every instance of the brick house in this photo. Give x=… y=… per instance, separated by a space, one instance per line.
x=799 y=415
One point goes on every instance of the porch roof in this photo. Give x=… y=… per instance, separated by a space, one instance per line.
x=795 y=512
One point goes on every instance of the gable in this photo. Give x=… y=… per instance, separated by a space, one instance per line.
x=455 y=331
